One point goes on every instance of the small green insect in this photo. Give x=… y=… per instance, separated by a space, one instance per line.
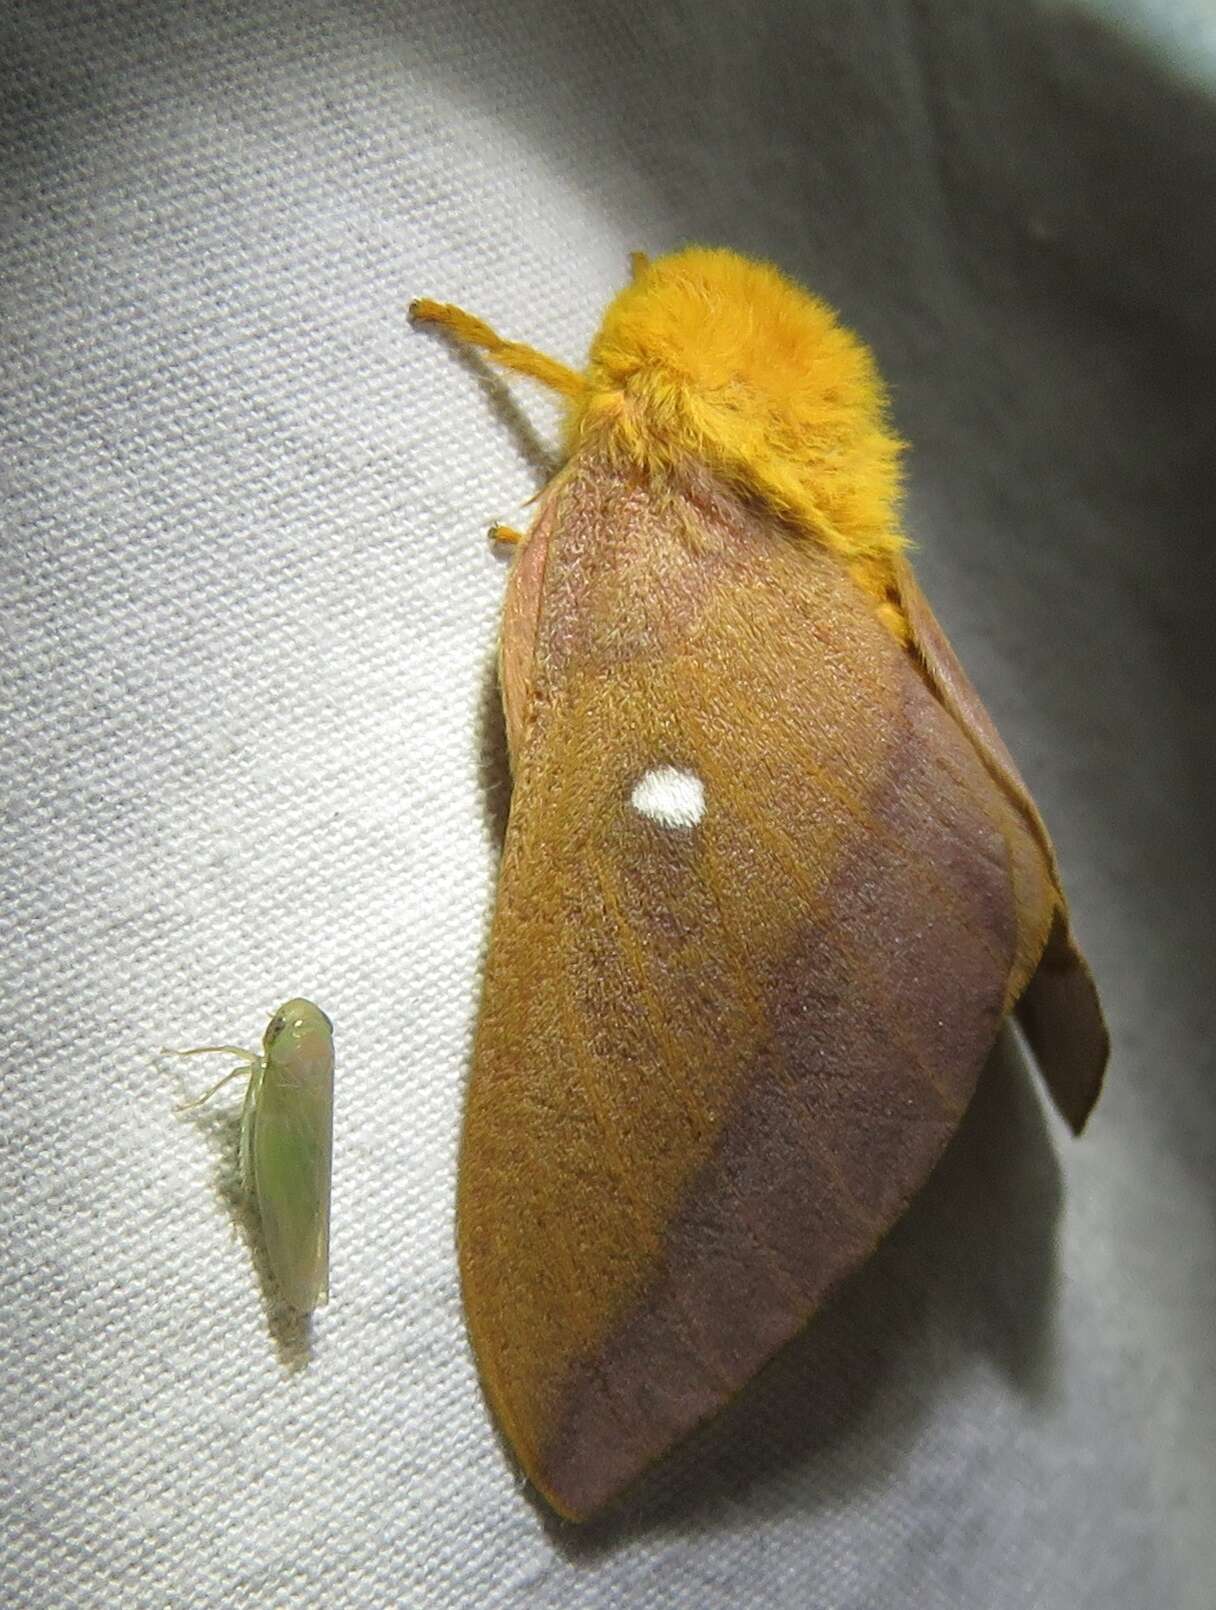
x=287 y=1144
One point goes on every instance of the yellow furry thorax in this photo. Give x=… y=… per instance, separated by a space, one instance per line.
x=711 y=361
x=712 y=357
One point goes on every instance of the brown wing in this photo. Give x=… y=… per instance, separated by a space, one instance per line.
x=1058 y=1006
x=720 y=1048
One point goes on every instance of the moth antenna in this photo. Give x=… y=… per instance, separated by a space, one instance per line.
x=474 y=332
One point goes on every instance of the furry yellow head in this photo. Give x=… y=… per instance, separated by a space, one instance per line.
x=711 y=357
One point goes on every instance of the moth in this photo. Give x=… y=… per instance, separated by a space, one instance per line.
x=287 y=1144
x=771 y=881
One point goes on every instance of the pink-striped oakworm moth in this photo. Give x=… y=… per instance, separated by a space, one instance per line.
x=771 y=881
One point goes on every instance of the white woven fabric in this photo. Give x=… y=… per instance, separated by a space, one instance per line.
x=248 y=618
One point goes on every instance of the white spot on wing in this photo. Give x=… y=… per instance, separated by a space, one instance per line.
x=669 y=797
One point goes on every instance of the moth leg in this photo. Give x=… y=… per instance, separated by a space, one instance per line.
x=474 y=332
x=504 y=533
x=638 y=264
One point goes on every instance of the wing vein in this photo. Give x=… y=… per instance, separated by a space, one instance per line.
x=786 y=856
x=782 y=1278
x=918 y=863
x=744 y=972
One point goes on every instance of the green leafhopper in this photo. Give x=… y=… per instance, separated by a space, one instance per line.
x=287 y=1144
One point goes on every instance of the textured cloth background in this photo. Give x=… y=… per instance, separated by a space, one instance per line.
x=250 y=750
